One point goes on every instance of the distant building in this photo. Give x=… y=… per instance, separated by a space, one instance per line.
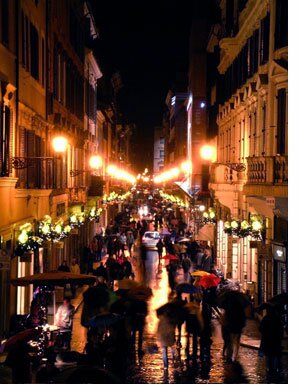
x=159 y=144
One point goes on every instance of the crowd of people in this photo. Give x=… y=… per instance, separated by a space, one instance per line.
x=115 y=308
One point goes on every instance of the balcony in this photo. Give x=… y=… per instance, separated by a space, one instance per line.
x=40 y=173
x=269 y=170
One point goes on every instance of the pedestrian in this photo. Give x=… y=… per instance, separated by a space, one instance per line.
x=139 y=311
x=74 y=268
x=198 y=258
x=271 y=329
x=101 y=271
x=186 y=264
x=166 y=338
x=130 y=241
x=206 y=261
x=160 y=246
x=123 y=240
x=193 y=326
x=171 y=270
x=64 y=320
x=63 y=267
x=93 y=246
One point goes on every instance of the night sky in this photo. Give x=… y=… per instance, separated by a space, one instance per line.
x=148 y=42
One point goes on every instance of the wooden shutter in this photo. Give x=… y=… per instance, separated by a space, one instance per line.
x=281 y=121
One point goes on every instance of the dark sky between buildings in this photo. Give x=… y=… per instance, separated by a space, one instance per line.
x=148 y=42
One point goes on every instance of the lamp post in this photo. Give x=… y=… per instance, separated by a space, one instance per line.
x=95 y=163
x=208 y=153
x=59 y=144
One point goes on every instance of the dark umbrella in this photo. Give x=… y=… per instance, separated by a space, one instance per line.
x=229 y=298
x=54 y=278
x=186 y=288
x=278 y=302
x=140 y=293
x=103 y=320
x=25 y=335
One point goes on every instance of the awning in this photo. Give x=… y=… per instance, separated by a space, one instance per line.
x=184 y=188
x=206 y=233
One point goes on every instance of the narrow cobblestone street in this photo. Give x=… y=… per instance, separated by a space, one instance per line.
x=149 y=368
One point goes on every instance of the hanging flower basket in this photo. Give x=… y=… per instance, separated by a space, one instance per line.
x=253 y=228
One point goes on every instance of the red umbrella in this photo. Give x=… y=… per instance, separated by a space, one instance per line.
x=25 y=335
x=209 y=281
x=169 y=256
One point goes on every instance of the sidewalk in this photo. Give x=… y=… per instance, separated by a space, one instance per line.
x=251 y=337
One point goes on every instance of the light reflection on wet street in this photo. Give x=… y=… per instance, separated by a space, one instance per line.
x=149 y=368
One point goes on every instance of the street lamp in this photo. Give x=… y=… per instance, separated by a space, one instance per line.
x=208 y=153
x=95 y=163
x=59 y=144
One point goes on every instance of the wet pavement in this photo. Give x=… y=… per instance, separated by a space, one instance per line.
x=148 y=369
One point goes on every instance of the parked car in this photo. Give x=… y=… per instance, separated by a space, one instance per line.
x=150 y=239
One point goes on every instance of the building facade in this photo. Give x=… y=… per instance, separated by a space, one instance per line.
x=49 y=77
x=159 y=143
x=251 y=174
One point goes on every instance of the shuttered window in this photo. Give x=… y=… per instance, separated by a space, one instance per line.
x=34 y=52
x=281 y=24
x=5 y=119
x=281 y=121
x=4 y=21
x=264 y=40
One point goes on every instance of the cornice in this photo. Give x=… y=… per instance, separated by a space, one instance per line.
x=230 y=47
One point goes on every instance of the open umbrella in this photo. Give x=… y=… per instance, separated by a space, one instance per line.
x=169 y=256
x=127 y=284
x=103 y=320
x=25 y=335
x=186 y=288
x=232 y=298
x=140 y=293
x=200 y=273
x=209 y=281
x=54 y=278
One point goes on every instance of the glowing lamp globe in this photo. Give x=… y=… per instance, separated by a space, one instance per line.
x=95 y=162
x=207 y=152
x=59 y=144
x=256 y=226
x=23 y=237
x=234 y=224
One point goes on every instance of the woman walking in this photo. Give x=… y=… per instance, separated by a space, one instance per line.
x=166 y=337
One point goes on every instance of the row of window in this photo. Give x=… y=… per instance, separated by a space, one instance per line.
x=254 y=53
x=251 y=141
x=68 y=83
x=4 y=18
